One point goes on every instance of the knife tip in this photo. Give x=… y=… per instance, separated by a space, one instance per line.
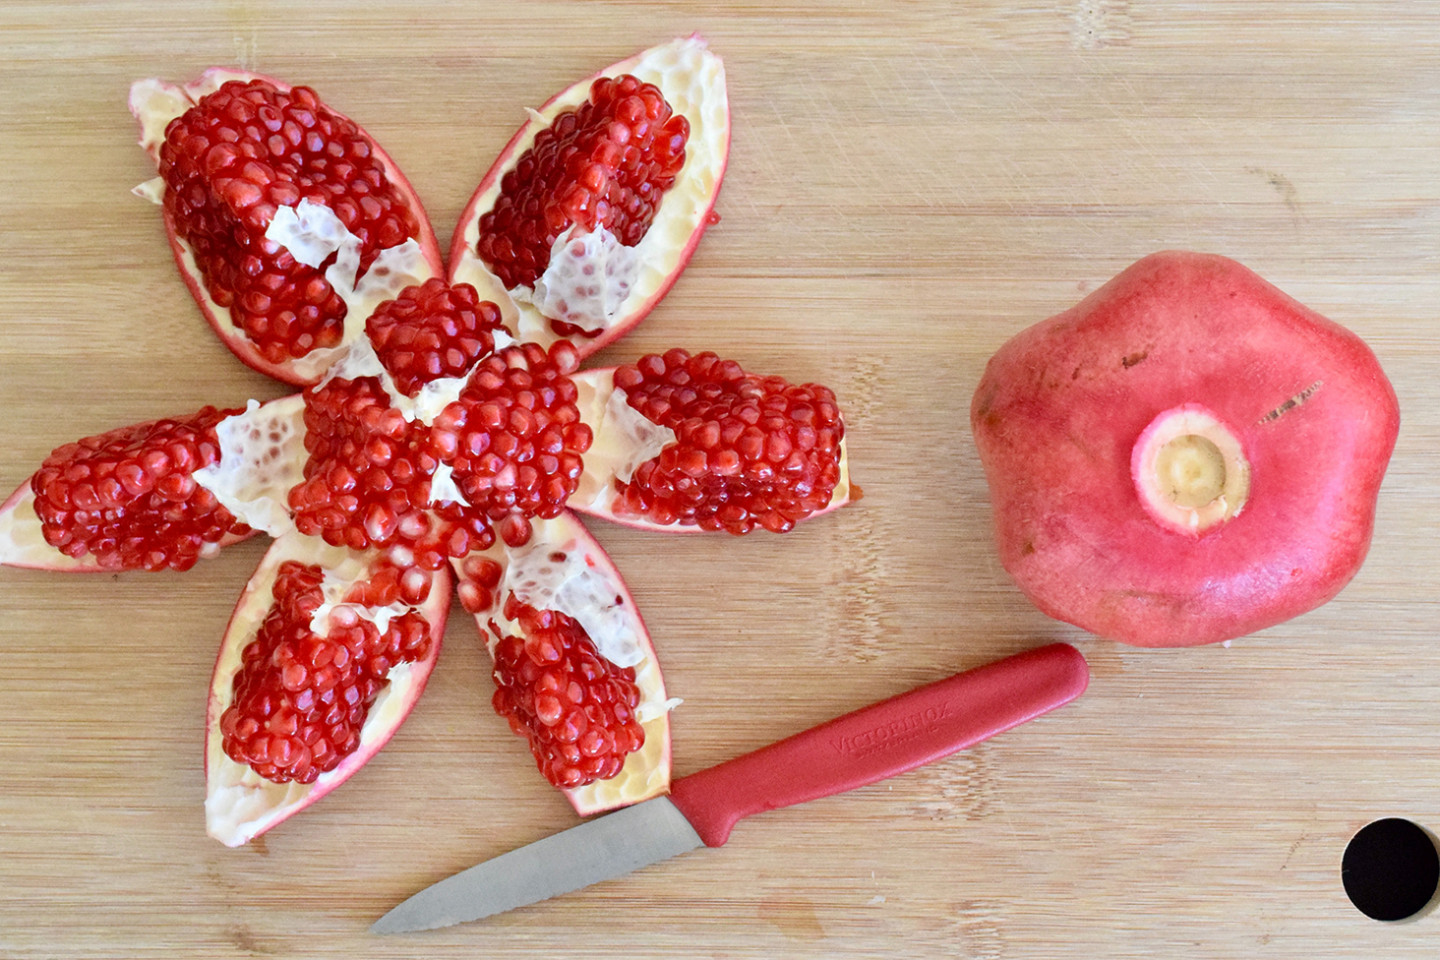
x=393 y=922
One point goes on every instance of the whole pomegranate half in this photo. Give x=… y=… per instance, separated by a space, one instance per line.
x=597 y=203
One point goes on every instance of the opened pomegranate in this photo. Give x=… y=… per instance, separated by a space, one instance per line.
x=1186 y=456
x=575 y=670
x=598 y=201
x=322 y=662
x=445 y=429
x=233 y=151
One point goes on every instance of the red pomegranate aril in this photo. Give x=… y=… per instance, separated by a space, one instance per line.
x=344 y=497
x=748 y=451
x=607 y=163
x=235 y=157
x=432 y=331
x=126 y=498
x=576 y=710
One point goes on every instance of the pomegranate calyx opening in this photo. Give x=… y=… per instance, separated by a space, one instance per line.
x=1190 y=470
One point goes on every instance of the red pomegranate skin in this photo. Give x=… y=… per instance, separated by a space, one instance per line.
x=1060 y=406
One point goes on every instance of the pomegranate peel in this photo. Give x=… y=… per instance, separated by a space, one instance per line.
x=240 y=804
x=692 y=80
x=360 y=278
x=626 y=440
x=1186 y=456
x=563 y=569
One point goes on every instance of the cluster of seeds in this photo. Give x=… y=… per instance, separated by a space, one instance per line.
x=300 y=698
x=368 y=472
x=575 y=708
x=606 y=163
x=432 y=331
x=514 y=438
x=749 y=451
x=128 y=498
x=237 y=156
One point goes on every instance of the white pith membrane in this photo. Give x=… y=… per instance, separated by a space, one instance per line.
x=1190 y=470
x=360 y=360
x=585 y=585
x=624 y=439
x=619 y=281
x=310 y=235
x=262 y=456
x=587 y=280
x=239 y=803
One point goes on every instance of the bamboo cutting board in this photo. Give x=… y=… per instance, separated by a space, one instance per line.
x=910 y=184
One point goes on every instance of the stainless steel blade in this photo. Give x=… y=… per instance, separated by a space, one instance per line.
x=596 y=850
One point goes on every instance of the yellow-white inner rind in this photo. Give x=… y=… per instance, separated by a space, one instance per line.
x=693 y=82
x=239 y=803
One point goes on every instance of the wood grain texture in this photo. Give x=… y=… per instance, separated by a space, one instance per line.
x=911 y=183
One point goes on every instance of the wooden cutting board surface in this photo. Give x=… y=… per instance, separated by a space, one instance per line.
x=911 y=184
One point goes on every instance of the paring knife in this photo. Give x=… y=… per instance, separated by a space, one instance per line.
x=878 y=741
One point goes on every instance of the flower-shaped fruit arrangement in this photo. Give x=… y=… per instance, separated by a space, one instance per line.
x=445 y=432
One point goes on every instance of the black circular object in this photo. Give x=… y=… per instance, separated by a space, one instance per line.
x=1390 y=869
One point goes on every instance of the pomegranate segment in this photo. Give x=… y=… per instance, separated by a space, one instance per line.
x=321 y=663
x=513 y=439
x=688 y=442
x=242 y=158
x=368 y=472
x=157 y=495
x=604 y=165
x=125 y=500
x=597 y=203
x=574 y=665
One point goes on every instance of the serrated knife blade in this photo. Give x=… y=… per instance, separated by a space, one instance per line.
x=879 y=741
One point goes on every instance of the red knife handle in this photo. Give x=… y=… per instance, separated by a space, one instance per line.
x=882 y=740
